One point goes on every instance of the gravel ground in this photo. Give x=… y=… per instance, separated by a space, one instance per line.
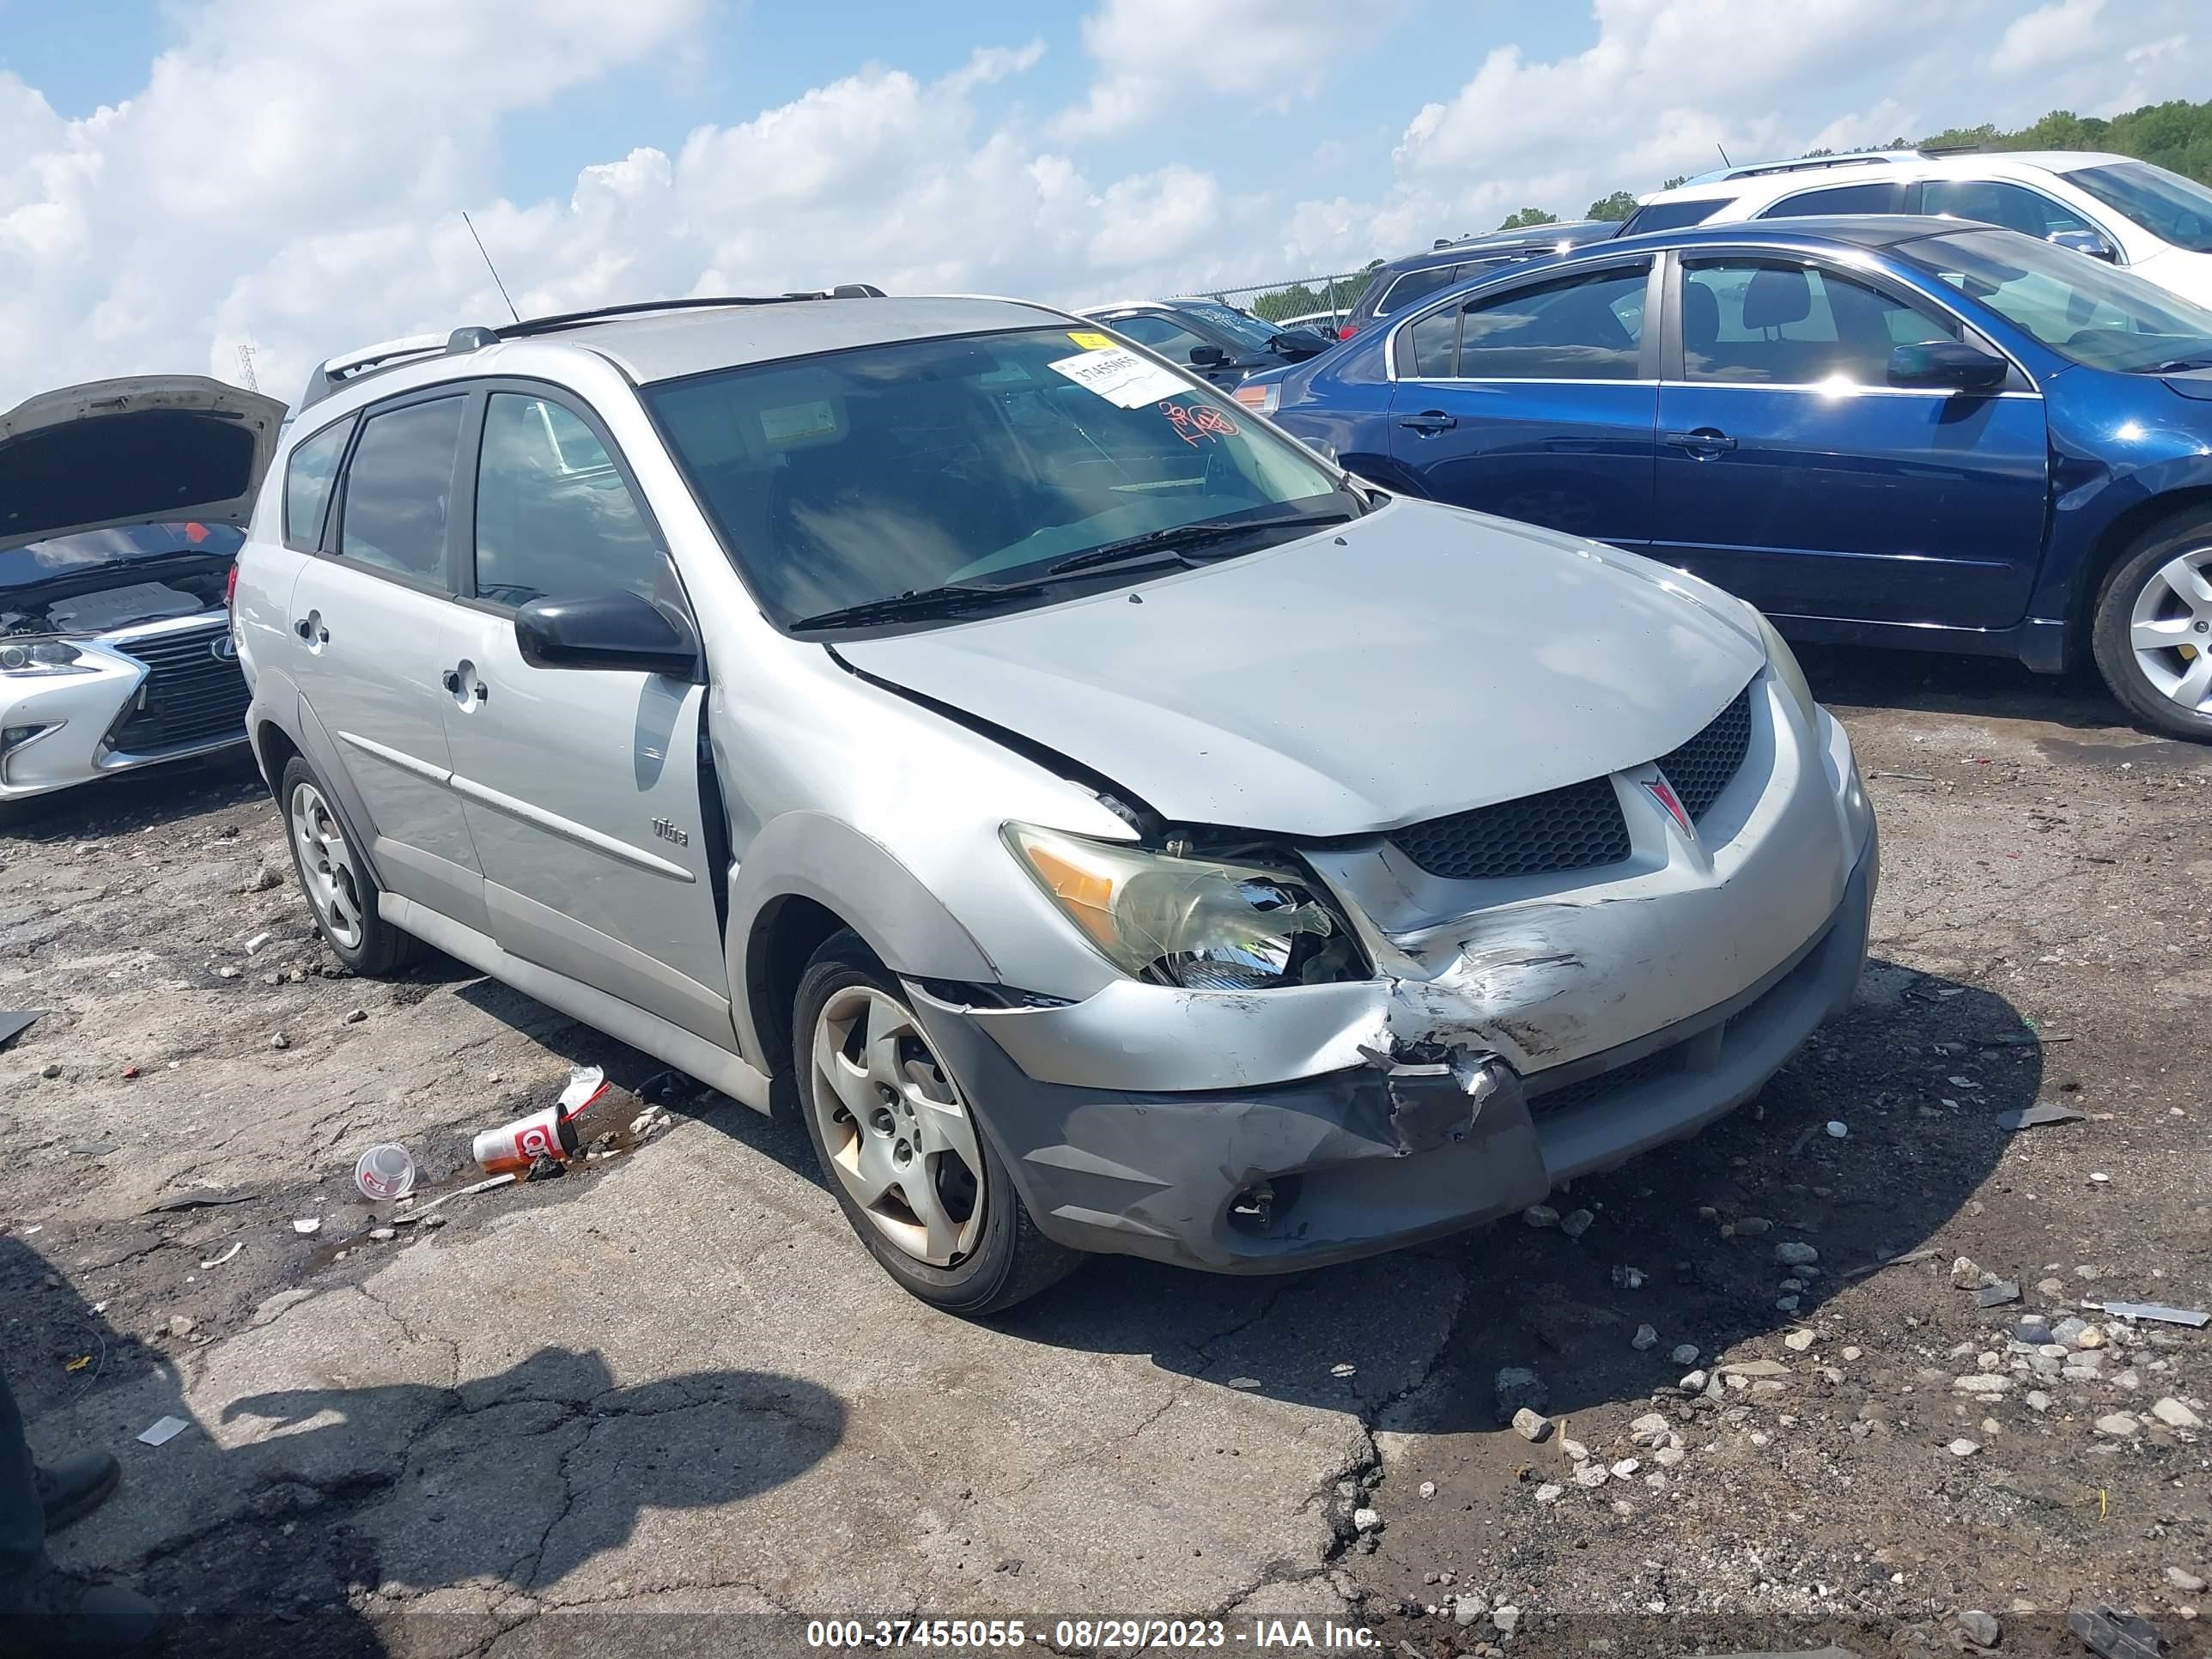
x=1858 y=1452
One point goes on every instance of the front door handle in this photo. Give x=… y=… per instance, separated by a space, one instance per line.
x=1704 y=443
x=1428 y=423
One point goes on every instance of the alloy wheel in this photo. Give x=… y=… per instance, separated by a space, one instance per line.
x=327 y=867
x=2170 y=629
x=898 y=1134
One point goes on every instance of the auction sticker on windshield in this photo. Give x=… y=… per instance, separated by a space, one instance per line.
x=1121 y=377
x=1091 y=342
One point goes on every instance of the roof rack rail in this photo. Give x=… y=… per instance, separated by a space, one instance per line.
x=329 y=376
x=1807 y=164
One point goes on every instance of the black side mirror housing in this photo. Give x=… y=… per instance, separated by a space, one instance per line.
x=1208 y=356
x=616 y=631
x=1950 y=365
x=1298 y=343
x=2086 y=241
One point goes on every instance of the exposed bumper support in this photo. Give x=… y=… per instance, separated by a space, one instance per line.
x=1379 y=1156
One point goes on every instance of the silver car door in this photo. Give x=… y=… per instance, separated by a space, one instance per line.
x=374 y=614
x=582 y=787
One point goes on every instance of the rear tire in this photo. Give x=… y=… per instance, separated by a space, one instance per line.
x=916 y=1175
x=2152 y=635
x=339 y=886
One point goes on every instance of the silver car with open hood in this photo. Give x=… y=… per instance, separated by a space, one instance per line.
x=1129 y=832
x=122 y=504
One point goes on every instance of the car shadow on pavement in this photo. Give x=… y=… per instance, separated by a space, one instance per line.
x=136 y=800
x=317 y=1520
x=1847 y=678
x=1682 y=1249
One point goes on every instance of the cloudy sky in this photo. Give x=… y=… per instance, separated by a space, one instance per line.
x=180 y=177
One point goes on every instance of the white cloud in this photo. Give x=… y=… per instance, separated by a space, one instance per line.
x=2047 y=35
x=1163 y=57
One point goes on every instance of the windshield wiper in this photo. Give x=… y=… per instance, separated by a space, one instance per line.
x=2179 y=365
x=1179 y=538
x=946 y=601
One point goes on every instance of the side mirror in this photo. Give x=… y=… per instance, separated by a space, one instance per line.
x=1950 y=364
x=1298 y=344
x=1208 y=356
x=2085 y=241
x=617 y=631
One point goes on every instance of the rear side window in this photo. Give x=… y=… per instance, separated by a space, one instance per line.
x=308 y=476
x=1585 y=328
x=1416 y=285
x=1430 y=351
x=554 y=516
x=1837 y=198
x=1672 y=216
x=399 y=489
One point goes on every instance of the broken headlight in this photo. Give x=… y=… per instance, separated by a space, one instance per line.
x=1204 y=924
x=40 y=656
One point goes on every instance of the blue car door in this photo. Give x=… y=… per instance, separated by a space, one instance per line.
x=1536 y=403
x=1792 y=474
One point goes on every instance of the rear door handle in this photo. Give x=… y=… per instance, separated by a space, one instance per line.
x=1703 y=442
x=1429 y=423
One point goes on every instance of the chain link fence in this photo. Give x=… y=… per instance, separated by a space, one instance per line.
x=1305 y=298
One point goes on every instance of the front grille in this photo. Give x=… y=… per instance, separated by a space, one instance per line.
x=189 y=696
x=1585 y=1089
x=1575 y=828
x=1703 y=766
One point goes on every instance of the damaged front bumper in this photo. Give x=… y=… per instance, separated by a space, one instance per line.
x=1388 y=1152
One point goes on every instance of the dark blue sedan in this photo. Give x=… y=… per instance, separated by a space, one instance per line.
x=1882 y=431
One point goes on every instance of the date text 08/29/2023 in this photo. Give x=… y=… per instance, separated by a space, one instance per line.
x=1116 y=1634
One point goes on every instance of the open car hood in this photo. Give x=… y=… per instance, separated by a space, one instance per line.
x=151 y=448
x=1417 y=661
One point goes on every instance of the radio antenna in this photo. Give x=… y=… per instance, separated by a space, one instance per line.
x=492 y=268
x=1725 y=162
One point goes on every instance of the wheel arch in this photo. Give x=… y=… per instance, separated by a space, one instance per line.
x=805 y=877
x=2192 y=503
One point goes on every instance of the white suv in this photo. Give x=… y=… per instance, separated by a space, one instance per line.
x=2157 y=224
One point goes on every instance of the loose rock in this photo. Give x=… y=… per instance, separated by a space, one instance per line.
x=1964 y=1447
x=1796 y=1254
x=1979 y=1627
x=1540 y=1215
x=1575 y=1223
x=1687 y=1355
x=278 y=1040
x=2175 y=1415
x=1530 y=1425
x=2182 y=1579
x=1798 y=1342
x=1646 y=1337
x=2118 y=1425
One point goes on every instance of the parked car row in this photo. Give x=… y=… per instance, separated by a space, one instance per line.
x=1879 y=429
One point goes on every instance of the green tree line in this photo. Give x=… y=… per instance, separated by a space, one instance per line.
x=2177 y=136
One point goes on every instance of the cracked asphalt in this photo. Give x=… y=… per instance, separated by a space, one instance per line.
x=666 y=1405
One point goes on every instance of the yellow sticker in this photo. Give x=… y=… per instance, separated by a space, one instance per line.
x=1091 y=342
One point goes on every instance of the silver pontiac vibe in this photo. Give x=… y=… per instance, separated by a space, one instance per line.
x=1131 y=832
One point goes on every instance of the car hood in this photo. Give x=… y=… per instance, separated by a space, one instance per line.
x=1418 y=661
x=150 y=449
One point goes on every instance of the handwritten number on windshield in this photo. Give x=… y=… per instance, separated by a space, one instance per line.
x=1194 y=424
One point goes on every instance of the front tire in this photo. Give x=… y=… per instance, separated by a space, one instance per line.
x=917 y=1178
x=339 y=887
x=2153 y=631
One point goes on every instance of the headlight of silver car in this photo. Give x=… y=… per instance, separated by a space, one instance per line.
x=24 y=657
x=1788 y=674
x=1204 y=924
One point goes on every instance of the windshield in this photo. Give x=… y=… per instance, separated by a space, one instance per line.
x=72 y=556
x=1249 y=332
x=862 y=475
x=2172 y=208
x=2079 y=307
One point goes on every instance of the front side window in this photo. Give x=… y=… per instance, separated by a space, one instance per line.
x=1993 y=202
x=1837 y=198
x=1163 y=335
x=1777 y=323
x=2083 y=309
x=1583 y=328
x=307 y=474
x=399 y=489
x=554 y=517
x=862 y=475
x=2175 y=209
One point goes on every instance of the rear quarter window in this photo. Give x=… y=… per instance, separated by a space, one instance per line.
x=308 y=472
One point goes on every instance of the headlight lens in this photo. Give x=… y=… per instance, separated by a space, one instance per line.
x=40 y=656
x=1202 y=923
x=1788 y=674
